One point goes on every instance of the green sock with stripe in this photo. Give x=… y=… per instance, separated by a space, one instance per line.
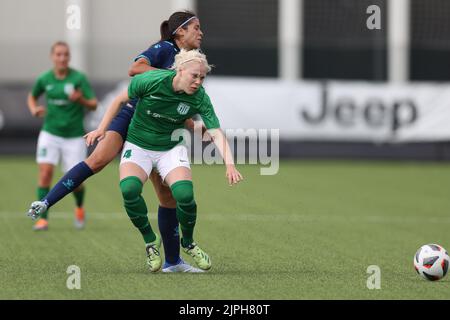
x=41 y=193
x=135 y=206
x=79 y=197
x=183 y=193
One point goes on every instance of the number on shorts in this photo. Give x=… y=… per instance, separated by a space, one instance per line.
x=127 y=154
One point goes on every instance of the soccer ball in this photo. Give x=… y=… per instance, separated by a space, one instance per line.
x=431 y=262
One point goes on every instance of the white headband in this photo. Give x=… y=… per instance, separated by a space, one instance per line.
x=181 y=25
x=191 y=59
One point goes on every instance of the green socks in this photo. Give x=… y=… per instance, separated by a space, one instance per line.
x=183 y=193
x=135 y=206
x=79 y=197
x=41 y=193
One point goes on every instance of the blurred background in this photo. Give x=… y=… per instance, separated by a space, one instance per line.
x=339 y=78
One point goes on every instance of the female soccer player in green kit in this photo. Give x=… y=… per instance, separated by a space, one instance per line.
x=166 y=99
x=181 y=30
x=68 y=93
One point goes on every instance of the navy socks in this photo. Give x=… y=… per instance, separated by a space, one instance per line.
x=71 y=180
x=168 y=227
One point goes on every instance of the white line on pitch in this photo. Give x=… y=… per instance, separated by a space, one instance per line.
x=274 y=217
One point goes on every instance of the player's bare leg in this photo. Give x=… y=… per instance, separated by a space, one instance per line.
x=105 y=151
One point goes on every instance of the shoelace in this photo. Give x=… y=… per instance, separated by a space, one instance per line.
x=190 y=250
x=36 y=210
x=154 y=250
x=196 y=252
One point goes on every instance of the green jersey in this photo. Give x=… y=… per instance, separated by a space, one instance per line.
x=161 y=110
x=63 y=118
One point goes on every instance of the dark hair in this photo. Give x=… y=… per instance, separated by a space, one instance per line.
x=58 y=43
x=175 y=21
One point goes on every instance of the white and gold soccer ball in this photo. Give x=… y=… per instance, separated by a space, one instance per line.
x=431 y=262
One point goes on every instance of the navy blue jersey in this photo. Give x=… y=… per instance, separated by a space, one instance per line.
x=161 y=55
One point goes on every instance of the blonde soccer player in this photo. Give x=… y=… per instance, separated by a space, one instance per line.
x=181 y=30
x=166 y=99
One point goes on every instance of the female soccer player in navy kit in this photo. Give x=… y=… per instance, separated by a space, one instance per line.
x=182 y=30
x=166 y=99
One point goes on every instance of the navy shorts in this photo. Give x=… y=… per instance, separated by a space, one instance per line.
x=122 y=120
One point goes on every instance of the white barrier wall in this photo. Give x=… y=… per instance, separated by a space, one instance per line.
x=341 y=111
x=302 y=111
x=114 y=33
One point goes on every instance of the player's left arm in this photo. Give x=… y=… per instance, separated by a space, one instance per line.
x=191 y=125
x=91 y=104
x=218 y=137
x=84 y=95
x=221 y=142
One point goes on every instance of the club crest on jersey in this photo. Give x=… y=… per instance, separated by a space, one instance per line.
x=183 y=108
x=69 y=88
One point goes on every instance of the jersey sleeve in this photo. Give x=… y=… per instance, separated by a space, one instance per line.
x=156 y=55
x=86 y=88
x=207 y=113
x=38 y=87
x=137 y=86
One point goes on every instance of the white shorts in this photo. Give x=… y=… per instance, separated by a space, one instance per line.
x=51 y=148
x=163 y=161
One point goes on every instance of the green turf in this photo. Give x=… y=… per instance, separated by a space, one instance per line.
x=309 y=232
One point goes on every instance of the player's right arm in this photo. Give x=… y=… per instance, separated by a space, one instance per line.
x=148 y=60
x=35 y=109
x=99 y=133
x=141 y=65
x=218 y=137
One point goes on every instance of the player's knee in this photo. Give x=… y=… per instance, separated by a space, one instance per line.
x=97 y=161
x=165 y=198
x=131 y=188
x=168 y=203
x=183 y=192
x=45 y=177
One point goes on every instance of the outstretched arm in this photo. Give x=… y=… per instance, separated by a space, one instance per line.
x=219 y=139
x=110 y=113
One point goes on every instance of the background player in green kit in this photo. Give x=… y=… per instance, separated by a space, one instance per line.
x=166 y=99
x=68 y=93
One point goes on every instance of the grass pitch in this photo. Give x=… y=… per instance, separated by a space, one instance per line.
x=309 y=232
